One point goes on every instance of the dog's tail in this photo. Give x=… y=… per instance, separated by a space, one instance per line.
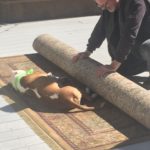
x=82 y=107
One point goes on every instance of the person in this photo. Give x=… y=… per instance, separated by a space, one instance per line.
x=126 y=26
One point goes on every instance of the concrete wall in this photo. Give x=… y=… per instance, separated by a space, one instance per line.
x=27 y=10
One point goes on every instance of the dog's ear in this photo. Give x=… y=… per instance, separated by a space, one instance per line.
x=13 y=74
x=12 y=78
x=16 y=71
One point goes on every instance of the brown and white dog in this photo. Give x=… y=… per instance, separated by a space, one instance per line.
x=45 y=85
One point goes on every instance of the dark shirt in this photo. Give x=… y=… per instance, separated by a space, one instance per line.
x=124 y=29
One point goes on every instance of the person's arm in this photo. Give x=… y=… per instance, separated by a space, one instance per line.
x=95 y=40
x=133 y=19
x=98 y=35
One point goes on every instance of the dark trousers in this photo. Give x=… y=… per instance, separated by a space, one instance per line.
x=138 y=60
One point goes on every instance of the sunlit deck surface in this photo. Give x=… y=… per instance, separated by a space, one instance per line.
x=17 y=39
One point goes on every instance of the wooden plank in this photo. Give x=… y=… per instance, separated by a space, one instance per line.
x=15 y=134
x=21 y=142
x=35 y=147
x=13 y=125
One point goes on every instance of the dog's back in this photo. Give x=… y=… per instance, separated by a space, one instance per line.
x=42 y=83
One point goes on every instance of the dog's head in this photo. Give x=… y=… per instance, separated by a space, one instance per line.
x=16 y=76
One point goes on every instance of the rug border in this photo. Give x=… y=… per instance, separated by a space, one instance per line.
x=38 y=125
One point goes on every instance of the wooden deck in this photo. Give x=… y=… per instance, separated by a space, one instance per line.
x=17 y=39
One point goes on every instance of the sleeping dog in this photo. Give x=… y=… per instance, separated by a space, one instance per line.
x=46 y=85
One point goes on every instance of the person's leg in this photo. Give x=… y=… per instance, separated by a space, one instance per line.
x=132 y=66
x=144 y=51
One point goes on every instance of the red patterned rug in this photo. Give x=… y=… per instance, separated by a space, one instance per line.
x=104 y=128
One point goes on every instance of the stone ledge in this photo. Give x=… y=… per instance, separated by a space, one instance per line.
x=20 y=1
x=28 y=10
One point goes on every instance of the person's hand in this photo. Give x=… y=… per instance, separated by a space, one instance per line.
x=105 y=70
x=81 y=55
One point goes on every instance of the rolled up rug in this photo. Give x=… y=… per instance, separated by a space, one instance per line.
x=118 y=90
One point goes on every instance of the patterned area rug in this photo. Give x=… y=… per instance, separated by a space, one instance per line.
x=104 y=128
